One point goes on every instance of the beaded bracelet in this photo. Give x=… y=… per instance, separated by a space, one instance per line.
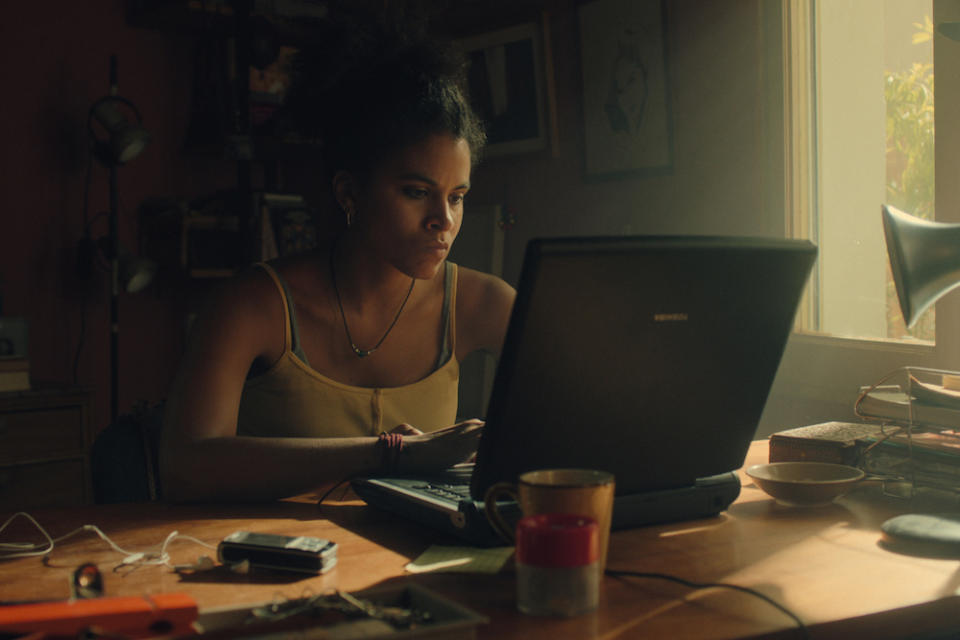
x=392 y=445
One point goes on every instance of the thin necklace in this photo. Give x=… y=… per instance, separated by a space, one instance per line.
x=363 y=353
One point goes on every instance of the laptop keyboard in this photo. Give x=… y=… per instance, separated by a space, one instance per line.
x=450 y=491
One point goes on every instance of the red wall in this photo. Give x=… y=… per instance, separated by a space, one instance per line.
x=56 y=61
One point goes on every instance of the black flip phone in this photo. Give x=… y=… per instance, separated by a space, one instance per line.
x=305 y=554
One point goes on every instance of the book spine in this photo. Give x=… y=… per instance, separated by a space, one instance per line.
x=784 y=450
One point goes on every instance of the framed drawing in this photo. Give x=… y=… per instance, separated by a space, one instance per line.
x=626 y=91
x=505 y=79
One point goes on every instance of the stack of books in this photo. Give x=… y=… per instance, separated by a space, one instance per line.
x=14 y=373
x=911 y=432
x=930 y=459
x=925 y=458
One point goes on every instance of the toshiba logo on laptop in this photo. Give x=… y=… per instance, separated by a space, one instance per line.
x=670 y=317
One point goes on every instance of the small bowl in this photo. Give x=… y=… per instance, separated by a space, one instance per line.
x=805 y=484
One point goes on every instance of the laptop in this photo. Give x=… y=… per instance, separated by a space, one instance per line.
x=649 y=357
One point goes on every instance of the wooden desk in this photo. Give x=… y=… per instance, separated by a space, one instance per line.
x=825 y=564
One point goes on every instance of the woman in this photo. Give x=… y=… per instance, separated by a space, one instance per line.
x=297 y=371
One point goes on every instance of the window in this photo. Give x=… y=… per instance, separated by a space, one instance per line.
x=845 y=63
x=862 y=117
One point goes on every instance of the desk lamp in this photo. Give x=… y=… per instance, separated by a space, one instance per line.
x=925 y=260
x=116 y=141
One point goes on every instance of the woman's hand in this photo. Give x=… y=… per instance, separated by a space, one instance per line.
x=437 y=450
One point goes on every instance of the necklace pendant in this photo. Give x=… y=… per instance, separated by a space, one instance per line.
x=362 y=353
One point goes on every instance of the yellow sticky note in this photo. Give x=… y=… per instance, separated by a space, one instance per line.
x=460 y=560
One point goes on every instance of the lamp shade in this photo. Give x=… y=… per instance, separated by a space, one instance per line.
x=136 y=273
x=124 y=140
x=924 y=258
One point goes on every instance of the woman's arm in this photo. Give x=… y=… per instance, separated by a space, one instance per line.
x=201 y=456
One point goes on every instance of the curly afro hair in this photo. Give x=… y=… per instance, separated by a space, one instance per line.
x=367 y=88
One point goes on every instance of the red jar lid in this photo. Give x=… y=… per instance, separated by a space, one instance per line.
x=557 y=540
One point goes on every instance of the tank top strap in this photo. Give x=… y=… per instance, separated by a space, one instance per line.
x=449 y=315
x=291 y=334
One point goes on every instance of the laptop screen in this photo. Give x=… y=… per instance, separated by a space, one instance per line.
x=649 y=357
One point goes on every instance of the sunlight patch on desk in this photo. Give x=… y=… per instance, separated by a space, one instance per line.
x=688 y=530
x=618 y=632
x=460 y=560
x=869 y=578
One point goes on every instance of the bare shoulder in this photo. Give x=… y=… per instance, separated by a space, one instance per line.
x=478 y=289
x=484 y=303
x=305 y=273
x=245 y=311
x=247 y=291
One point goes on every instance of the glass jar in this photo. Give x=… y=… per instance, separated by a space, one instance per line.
x=558 y=564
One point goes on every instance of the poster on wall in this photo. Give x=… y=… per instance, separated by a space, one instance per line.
x=626 y=91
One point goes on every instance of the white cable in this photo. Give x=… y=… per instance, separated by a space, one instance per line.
x=26 y=549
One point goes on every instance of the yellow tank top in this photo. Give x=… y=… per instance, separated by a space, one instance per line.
x=291 y=399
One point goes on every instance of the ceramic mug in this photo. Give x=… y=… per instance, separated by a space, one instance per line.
x=582 y=492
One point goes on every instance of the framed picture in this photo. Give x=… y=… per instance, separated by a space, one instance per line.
x=626 y=91
x=506 y=85
x=287 y=226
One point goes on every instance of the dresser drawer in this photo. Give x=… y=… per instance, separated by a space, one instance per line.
x=40 y=433
x=42 y=484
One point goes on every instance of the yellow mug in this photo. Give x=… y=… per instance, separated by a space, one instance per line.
x=582 y=492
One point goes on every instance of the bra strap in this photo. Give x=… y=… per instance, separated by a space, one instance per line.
x=291 y=333
x=447 y=342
